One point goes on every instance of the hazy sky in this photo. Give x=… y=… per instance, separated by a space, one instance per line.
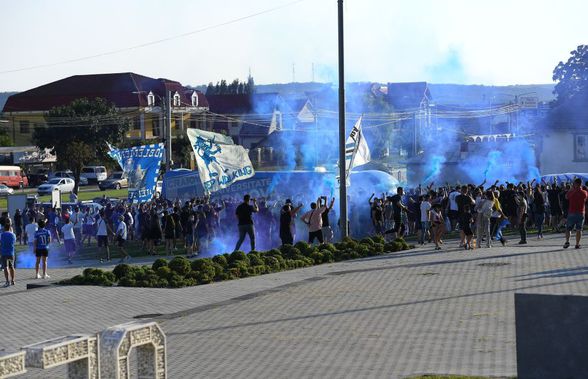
x=440 y=41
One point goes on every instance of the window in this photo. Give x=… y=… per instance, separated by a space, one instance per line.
x=177 y=101
x=25 y=127
x=581 y=148
x=194 y=99
x=137 y=123
x=156 y=128
x=150 y=99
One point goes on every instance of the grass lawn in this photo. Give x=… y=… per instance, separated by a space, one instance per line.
x=85 y=195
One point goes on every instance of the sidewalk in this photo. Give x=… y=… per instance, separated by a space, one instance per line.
x=391 y=316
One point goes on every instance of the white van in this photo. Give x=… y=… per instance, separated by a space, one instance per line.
x=94 y=174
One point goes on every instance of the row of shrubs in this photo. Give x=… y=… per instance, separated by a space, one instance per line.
x=181 y=272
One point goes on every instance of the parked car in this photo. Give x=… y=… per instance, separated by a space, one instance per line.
x=12 y=176
x=94 y=174
x=116 y=180
x=68 y=174
x=65 y=185
x=38 y=176
x=5 y=190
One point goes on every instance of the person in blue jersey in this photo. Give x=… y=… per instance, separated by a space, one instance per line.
x=7 y=241
x=41 y=246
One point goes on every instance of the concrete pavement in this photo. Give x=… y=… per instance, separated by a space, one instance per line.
x=390 y=316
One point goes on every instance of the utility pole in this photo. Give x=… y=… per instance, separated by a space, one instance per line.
x=168 y=134
x=342 y=171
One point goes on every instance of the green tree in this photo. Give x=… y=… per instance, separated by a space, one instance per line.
x=78 y=133
x=210 y=89
x=572 y=77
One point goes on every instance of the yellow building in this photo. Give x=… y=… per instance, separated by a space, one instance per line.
x=138 y=97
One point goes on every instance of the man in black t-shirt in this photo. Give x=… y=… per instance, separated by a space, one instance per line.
x=465 y=205
x=287 y=215
x=244 y=214
x=397 y=209
x=327 y=230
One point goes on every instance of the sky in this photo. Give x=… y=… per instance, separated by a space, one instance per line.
x=495 y=42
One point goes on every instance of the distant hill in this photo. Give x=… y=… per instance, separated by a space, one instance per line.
x=447 y=94
x=3 y=97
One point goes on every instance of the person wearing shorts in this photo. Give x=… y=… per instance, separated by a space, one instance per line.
x=7 y=241
x=102 y=237
x=576 y=209
x=69 y=239
x=121 y=238
x=41 y=246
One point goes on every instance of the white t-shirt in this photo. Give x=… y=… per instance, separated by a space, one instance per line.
x=76 y=219
x=67 y=230
x=452 y=202
x=30 y=230
x=121 y=230
x=425 y=208
x=102 y=231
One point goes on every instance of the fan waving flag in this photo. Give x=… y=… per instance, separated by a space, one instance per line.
x=141 y=166
x=220 y=161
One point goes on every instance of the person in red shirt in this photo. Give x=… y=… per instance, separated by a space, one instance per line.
x=577 y=206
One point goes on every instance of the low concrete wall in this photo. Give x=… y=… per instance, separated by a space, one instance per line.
x=552 y=336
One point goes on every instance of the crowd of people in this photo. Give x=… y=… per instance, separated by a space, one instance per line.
x=480 y=213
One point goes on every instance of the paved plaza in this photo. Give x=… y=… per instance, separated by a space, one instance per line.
x=390 y=316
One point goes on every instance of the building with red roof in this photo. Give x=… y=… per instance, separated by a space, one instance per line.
x=136 y=96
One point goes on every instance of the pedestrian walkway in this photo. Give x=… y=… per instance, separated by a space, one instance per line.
x=389 y=316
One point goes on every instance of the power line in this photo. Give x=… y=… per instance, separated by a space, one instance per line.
x=183 y=35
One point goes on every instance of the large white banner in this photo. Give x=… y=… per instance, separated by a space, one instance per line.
x=220 y=161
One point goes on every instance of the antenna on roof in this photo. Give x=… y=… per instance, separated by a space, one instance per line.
x=293 y=73
x=312 y=68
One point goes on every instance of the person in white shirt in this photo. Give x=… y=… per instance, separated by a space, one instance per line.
x=88 y=226
x=314 y=220
x=76 y=220
x=452 y=212
x=69 y=239
x=102 y=237
x=121 y=238
x=30 y=230
x=425 y=217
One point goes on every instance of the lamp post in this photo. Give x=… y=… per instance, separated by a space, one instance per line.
x=342 y=171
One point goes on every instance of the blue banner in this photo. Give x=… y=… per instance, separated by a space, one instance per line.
x=141 y=166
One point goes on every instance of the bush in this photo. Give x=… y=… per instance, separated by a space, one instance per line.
x=205 y=266
x=160 y=262
x=238 y=256
x=180 y=272
x=164 y=272
x=122 y=270
x=221 y=260
x=180 y=265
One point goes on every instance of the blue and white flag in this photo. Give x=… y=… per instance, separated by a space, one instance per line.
x=357 y=151
x=220 y=162
x=141 y=166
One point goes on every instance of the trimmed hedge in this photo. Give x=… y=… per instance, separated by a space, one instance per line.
x=181 y=272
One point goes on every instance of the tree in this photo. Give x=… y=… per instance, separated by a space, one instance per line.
x=572 y=77
x=78 y=133
x=210 y=89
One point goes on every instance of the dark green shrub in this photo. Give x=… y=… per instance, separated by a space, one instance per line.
x=255 y=259
x=159 y=262
x=204 y=265
x=363 y=250
x=238 y=256
x=330 y=247
x=379 y=239
x=190 y=282
x=367 y=241
x=127 y=282
x=272 y=263
x=164 y=272
x=92 y=271
x=77 y=280
x=328 y=256
x=221 y=260
x=122 y=270
x=203 y=278
x=180 y=265
x=175 y=280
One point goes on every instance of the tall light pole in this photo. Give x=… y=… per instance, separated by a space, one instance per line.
x=168 y=136
x=342 y=171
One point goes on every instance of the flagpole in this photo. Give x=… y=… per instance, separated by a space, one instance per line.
x=342 y=169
